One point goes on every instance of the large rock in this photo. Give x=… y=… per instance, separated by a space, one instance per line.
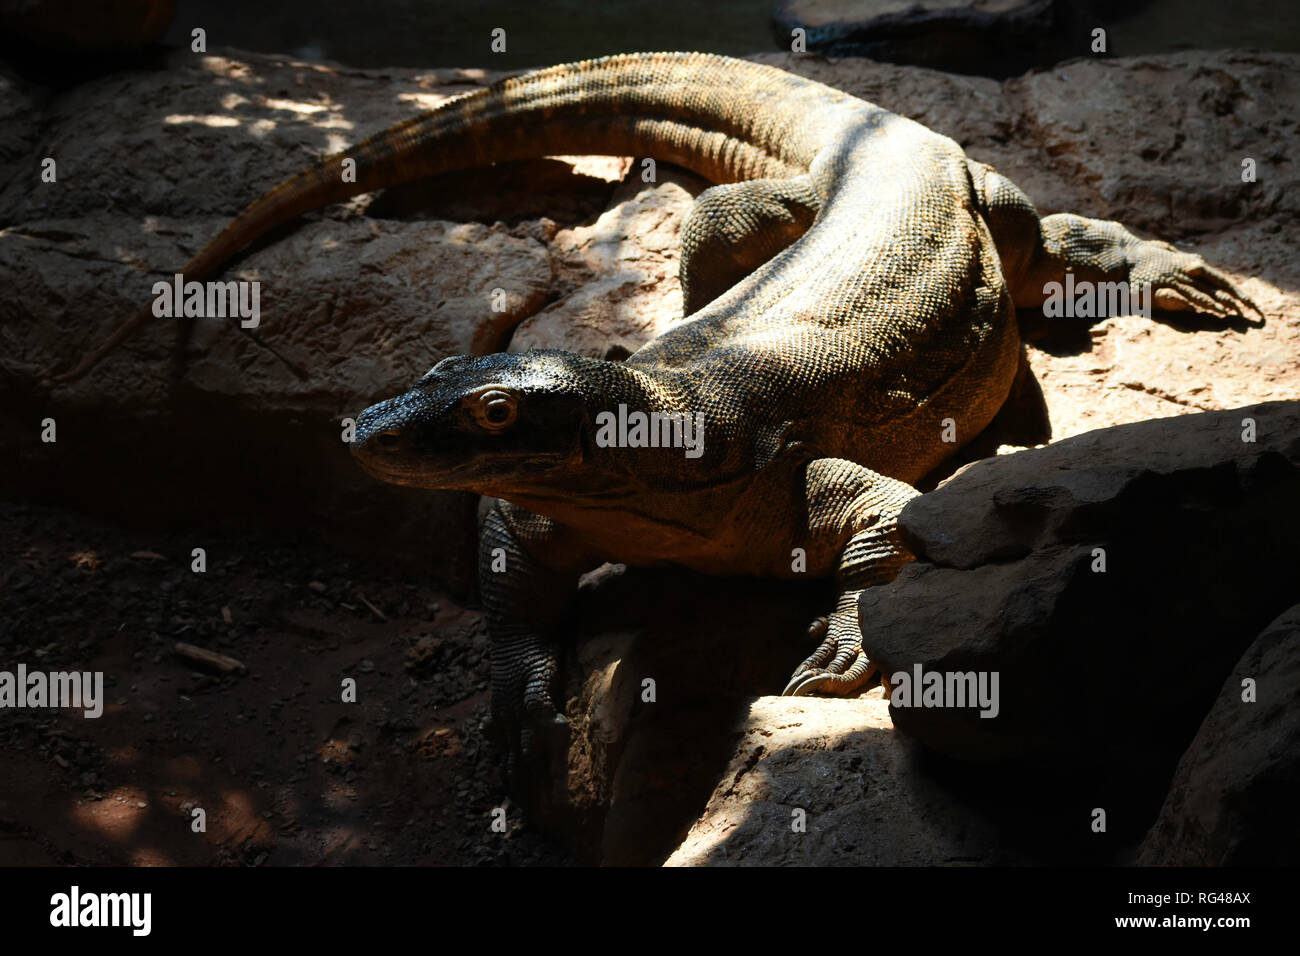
x=988 y=37
x=1233 y=798
x=1188 y=521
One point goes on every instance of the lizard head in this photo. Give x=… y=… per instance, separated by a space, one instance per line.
x=492 y=424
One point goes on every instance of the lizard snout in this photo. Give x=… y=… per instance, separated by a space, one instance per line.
x=377 y=435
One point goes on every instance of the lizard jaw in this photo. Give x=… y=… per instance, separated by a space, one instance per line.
x=497 y=476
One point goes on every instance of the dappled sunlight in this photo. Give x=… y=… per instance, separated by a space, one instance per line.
x=86 y=560
x=228 y=68
x=335 y=143
x=294 y=106
x=464 y=234
x=332 y=118
x=116 y=818
x=473 y=73
x=239 y=803
x=612 y=169
x=425 y=101
x=210 y=120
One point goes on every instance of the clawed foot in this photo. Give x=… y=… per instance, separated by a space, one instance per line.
x=1182 y=281
x=525 y=725
x=838 y=666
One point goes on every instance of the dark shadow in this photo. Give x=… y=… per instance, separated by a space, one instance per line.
x=61 y=70
x=1073 y=336
x=509 y=192
x=710 y=645
x=287 y=772
x=1023 y=420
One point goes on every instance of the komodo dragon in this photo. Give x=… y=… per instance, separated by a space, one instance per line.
x=849 y=285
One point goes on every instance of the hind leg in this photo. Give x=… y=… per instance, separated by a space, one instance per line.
x=1036 y=252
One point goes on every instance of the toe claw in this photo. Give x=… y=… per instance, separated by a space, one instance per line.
x=796 y=682
x=803 y=684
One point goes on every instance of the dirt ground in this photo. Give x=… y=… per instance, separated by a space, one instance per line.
x=286 y=772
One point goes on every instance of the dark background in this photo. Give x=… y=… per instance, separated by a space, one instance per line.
x=423 y=33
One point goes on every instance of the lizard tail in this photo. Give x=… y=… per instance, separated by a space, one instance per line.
x=726 y=119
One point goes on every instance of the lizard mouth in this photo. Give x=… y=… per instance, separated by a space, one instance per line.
x=397 y=469
x=481 y=474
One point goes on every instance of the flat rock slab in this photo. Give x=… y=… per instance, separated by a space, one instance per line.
x=827 y=783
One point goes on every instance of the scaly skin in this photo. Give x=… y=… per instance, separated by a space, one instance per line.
x=849 y=286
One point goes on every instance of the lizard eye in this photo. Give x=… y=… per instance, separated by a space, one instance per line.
x=494 y=409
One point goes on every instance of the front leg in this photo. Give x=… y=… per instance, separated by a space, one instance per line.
x=856 y=509
x=528 y=572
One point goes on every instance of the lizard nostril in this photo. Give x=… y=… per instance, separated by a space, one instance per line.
x=388 y=440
